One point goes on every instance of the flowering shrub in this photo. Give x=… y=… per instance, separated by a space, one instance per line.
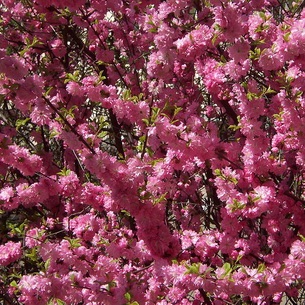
x=152 y=152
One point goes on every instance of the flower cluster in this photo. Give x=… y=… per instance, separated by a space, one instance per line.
x=152 y=152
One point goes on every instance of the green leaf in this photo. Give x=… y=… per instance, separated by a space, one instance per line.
x=155 y=113
x=217 y=172
x=156 y=161
x=47 y=92
x=233 y=180
x=127 y=296
x=101 y=77
x=47 y=264
x=153 y=30
x=268 y=91
x=21 y=122
x=64 y=172
x=302 y=237
x=126 y=94
x=227 y=269
x=111 y=284
x=30 y=44
x=75 y=77
x=214 y=38
x=262 y=15
x=146 y=122
x=53 y=133
x=286 y=36
x=55 y=301
x=177 y=110
x=160 y=199
x=261 y=268
x=239 y=257
x=251 y=96
x=237 y=205
x=74 y=242
x=255 y=55
x=32 y=254
x=150 y=151
x=14 y=284
x=234 y=127
x=193 y=269
x=191 y=38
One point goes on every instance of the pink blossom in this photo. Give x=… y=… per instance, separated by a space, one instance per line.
x=6 y=193
x=194 y=43
x=58 y=48
x=69 y=184
x=84 y=226
x=152 y=152
x=231 y=21
x=34 y=237
x=35 y=289
x=21 y=158
x=10 y=252
x=270 y=59
x=12 y=67
x=30 y=195
x=239 y=51
x=297 y=38
x=41 y=113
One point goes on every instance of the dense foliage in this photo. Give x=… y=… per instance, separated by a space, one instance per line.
x=152 y=152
